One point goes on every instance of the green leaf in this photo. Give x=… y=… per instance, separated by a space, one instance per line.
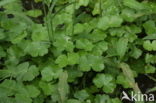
x=81 y=95
x=46 y=87
x=135 y=53
x=7 y=88
x=31 y=73
x=39 y=33
x=96 y=8
x=73 y=73
x=150 y=58
x=91 y=61
x=84 y=44
x=47 y=74
x=105 y=81
x=22 y=98
x=117 y=31
x=78 y=28
x=147 y=45
x=32 y=90
x=150 y=46
x=150 y=37
x=19 y=38
x=11 y=4
x=50 y=72
x=100 y=48
x=14 y=53
x=82 y=3
x=84 y=64
x=98 y=35
x=34 y=13
x=121 y=46
x=123 y=81
x=96 y=62
x=65 y=40
x=115 y=21
x=36 y=48
x=133 y=4
x=62 y=61
x=25 y=72
x=22 y=72
x=128 y=14
x=150 y=27
x=150 y=69
x=154 y=45
x=103 y=23
x=73 y=58
x=109 y=21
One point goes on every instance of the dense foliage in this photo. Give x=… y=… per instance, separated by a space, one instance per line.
x=75 y=51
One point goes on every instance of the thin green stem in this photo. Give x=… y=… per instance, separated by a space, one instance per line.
x=46 y=21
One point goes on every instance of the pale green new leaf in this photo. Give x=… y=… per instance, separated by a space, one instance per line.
x=47 y=88
x=62 y=61
x=134 y=4
x=84 y=44
x=121 y=46
x=147 y=45
x=34 y=13
x=63 y=87
x=73 y=58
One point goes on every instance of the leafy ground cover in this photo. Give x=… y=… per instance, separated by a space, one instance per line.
x=76 y=51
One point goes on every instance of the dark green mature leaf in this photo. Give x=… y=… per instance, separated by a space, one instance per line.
x=8 y=88
x=91 y=61
x=81 y=95
x=2 y=52
x=23 y=72
x=47 y=88
x=105 y=81
x=33 y=91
